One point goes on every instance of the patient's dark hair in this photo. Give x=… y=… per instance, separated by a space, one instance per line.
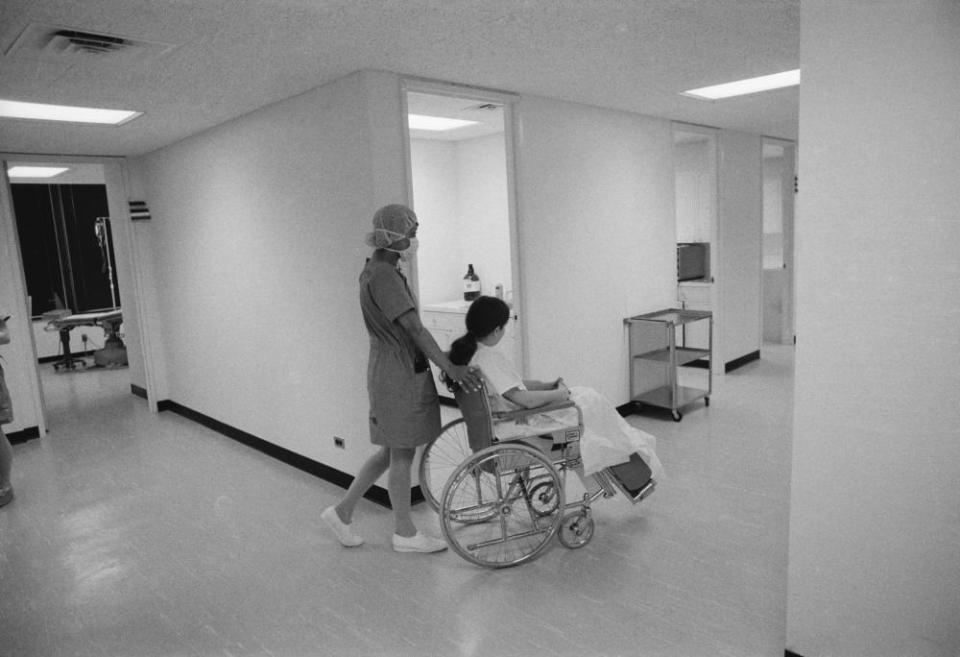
x=485 y=315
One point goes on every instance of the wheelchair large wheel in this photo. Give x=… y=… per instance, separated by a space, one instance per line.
x=492 y=510
x=441 y=457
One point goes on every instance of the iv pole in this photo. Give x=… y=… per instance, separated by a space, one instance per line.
x=114 y=352
x=103 y=236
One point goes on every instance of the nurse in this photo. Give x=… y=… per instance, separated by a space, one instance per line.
x=404 y=405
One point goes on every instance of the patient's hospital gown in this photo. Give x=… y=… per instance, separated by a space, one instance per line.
x=607 y=438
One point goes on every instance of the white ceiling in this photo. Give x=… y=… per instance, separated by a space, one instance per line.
x=229 y=57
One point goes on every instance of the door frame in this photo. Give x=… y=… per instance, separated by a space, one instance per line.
x=131 y=278
x=508 y=101
x=788 y=215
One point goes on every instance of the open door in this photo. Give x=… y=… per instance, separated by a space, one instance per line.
x=461 y=186
x=778 y=212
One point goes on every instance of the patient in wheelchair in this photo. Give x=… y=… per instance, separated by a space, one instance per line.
x=607 y=440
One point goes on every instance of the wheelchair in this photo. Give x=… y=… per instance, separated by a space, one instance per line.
x=501 y=502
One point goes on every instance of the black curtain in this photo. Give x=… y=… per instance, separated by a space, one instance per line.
x=65 y=259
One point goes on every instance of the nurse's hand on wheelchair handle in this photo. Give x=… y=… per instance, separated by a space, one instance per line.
x=467 y=377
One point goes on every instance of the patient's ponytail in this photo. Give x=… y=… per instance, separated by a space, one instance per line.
x=463 y=348
x=485 y=315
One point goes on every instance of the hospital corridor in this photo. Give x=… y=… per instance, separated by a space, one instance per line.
x=148 y=534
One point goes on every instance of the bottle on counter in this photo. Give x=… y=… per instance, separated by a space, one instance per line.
x=471 y=284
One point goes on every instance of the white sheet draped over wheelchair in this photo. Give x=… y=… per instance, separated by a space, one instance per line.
x=607 y=438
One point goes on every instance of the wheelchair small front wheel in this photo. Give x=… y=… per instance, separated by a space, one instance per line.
x=544 y=498
x=576 y=530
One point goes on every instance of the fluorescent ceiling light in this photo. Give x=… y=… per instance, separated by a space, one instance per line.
x=17 y=110
x=423 y=122
x=748 y=86
x=35 y=172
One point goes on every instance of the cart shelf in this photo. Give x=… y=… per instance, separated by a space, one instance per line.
x=683 y=355
x=658 y=348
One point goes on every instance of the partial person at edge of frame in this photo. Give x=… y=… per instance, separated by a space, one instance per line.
x=6 y=416
x=404 y=405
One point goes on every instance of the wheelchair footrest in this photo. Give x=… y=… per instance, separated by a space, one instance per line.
x=632 y=478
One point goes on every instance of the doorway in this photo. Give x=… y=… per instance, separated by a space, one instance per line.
x=461 y=187
x=778 y=213
x=66 y=240
x=696 y=190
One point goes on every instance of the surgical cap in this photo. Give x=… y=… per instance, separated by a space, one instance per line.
x=391 y=223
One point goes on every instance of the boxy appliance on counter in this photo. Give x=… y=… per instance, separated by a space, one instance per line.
x=693 y=261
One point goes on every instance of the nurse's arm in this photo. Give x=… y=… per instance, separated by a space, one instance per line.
x=410 y=321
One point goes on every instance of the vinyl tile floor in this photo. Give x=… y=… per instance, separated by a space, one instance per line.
x=140 y=534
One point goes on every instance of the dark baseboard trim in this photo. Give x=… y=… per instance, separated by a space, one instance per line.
x=740 y=362
x=320 y=470
x=790 y=653
x=138 y=391
x=22 y=436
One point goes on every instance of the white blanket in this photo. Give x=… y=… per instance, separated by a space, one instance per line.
x=607 y=438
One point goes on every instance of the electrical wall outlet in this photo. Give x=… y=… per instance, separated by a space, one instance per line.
x=339 y=442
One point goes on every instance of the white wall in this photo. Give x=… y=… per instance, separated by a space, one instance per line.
x=484 y=210
x=739 y=237
x=596 y=231
x=875 y=510
x=440 y=265
x=460 y=196
x=696 y=192
x=257 y=235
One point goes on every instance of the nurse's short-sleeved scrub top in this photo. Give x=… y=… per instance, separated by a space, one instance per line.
x=404 y=405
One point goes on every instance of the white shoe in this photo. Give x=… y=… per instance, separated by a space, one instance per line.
x=345 y=534
x=418 y=543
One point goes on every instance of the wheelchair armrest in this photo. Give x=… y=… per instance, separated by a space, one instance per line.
x=526 y=412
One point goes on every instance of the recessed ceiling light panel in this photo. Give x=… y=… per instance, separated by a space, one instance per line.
x=21 y=171
x=748 y=86
x=438 y=123
x=13 y=109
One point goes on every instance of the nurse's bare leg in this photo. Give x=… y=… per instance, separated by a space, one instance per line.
x=398 y=485
x=372 y=469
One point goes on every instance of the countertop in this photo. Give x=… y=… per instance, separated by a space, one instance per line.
x=460 y=306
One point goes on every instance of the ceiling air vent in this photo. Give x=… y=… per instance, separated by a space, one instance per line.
x=57 y=43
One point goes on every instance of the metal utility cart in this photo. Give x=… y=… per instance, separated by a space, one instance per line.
x=660 y=343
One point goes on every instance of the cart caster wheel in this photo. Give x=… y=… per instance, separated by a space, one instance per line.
x=677 y=416
x=706 y=400
x=576 y=530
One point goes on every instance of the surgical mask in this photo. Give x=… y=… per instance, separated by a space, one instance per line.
x=407 y=254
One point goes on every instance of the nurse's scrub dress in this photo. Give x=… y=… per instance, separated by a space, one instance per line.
x=404 y=405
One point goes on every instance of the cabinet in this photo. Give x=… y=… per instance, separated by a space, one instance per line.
x=658 y=354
